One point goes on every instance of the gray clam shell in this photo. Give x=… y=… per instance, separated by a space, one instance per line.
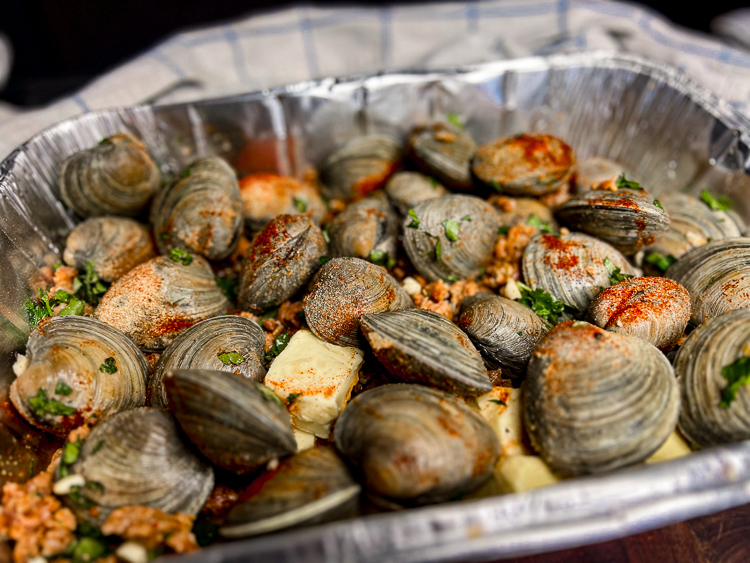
x=444 y=151
x=595 y=400
x=415 y=445
x=363 y=227
x=71 y=350
x=461 y=258
x=199 y=347
x=718 y=342
x=265 y=196
x=407 y=189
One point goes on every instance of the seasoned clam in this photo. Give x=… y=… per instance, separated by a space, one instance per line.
x=311 y=487
x=622 y=218
x=525 y=165
x=156 y=301
x=450 y=236
x=138 y=458
x=595 y=170
x=443 y=151
x=359 y=167
x=78 y=369
x=406 y=189
x=114 y=245
x=596 y=400
x=717 y=277
x=281 y=260
x=416 y=445
x=345 y=290
x=265 y=196
x=116 y=177
x=201 y=211
x=715 y=407
x=367 y=229
x=237 y=424
x=504 y=331
x=227 y=343
x=418 y=346
x=656 y=310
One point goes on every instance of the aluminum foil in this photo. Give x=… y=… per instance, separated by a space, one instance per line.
x=670 y=133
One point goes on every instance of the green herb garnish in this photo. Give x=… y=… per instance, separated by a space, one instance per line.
x=451 y=229
x=300 y=204
x=537 y=223
x=324 y=259
x=41 y=405
x=89 y=287
x=543 y=303
x=279 y=343
x=228 y=285
x=737 y=374
x=291 y=397
x=661 y=262
x=414 y=220
x=98 y=446
x=268 y=394
x=75 y=307
x=268 y=315
x=325 y=233
x=503 y=231
x=497 y=185
x=36 y=313
x=658 y=204
x=623 y=182
x=179 y=255
x=466 y=218
x=57 y=266
x=615 y=275
x=382 y=258
x=498 y=402
x=71 y=451
x=63 y=388
x=231 y=358
x=451 y=279
x=85 y=549
x=454 y=119
x=433 y=181
x=722 y=203
x=437 y=251
x=94 y=486
x=187 y=171
x=104 y=141
x=109 y=365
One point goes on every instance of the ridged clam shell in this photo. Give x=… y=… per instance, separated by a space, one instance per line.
x=656 y=310
x=280 y=261
x=443 y=151
x=718 y=342
x=363 y=227
x=419 y=346
x=406 y=189
x=199 y=347
x=115 y=245
x=596 y=400
x=504 y=331
x=346 y=289
x=116 y=177
x=138 y=458
x=416 y=445
x=571 y=267
x=237 y=424
x=201 y=211
x=311 y=487
x=157 y=300
x=71 y=350
x=462 y=258
x=717 y=276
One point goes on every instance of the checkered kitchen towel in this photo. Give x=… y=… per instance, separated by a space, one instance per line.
x=303 y=43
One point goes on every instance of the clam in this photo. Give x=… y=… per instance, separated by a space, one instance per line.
x=237 y=424
x=311 y=487
x=450 y=236
x=597 y=400
x=406 y=189
x=226 y=343
x=116 y=177
x=571 y=267
x=367 y=229
x=114 y=246
x=138 y=458
x=418 y=346
x=346 y=289
x=280 y=261
x=443 y=151
x=360 y=167
x=415 y=445
x=717 y=277
x=201 y=211
x=595 y=170
x=265 y=196
x=156 y=301
x=78 y=369
x=656 y=310
x=714 y=410
x=622 y=218
x=524 y=165
x=504 y=331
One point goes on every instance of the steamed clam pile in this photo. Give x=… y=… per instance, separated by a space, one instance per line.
x=416 y=323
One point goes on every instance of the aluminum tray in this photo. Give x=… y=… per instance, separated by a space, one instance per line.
x=671 y=133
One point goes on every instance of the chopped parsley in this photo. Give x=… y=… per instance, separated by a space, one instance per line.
x=104 y=141
x=536 y=222
x=451 y=229
x=382 y=258
x=658 y=204
x=503 y=230
x=466 y=218
x=268 y=394
x=109 y=365
x=722 y=203
x=228 y=285
x=98 y=446
x=89 y=287
x=279 y=343
x=71 y=451
x=497 y=185
x=438 y=252
x=498 y=402
x=187 y=171
x=543 y=304
x=75 y=306
x=661 y=262
x=41 y=405
x=451 y=279
x=615 y=275
x=326 y=236
x=85 y=548
x=737 y=374
x=324 y=259
x=35 y=313
x=63 y=388
x=291 y=397
x=623 y=182
x=454 y=119
x=414 y=220
x=231 y=358
x=179 y=255
x=300 y=204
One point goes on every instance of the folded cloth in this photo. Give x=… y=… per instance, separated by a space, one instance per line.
x=304 y=43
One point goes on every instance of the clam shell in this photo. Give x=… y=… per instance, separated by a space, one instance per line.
x=717 y=277
x=718 y=342
x=468 y=254
x=596 y=170
x=282 y=258
x=416 y=445
x=237 y=424
x=363 y=228
x=406 y=189
x=199 y=348
x=443 y=151
x=71 y=350
x=311 y=487
x=419 y=346
x=596 y=400
x=157 y=300
x=346 y=289
x=114 y=245
x=201 y=211
x=116 y=177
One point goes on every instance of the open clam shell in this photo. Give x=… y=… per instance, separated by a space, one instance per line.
x=596 y=400
x=443 y=151
x=367 y=229
x=406 y=189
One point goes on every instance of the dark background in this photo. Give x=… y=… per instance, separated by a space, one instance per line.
x=60 y=45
